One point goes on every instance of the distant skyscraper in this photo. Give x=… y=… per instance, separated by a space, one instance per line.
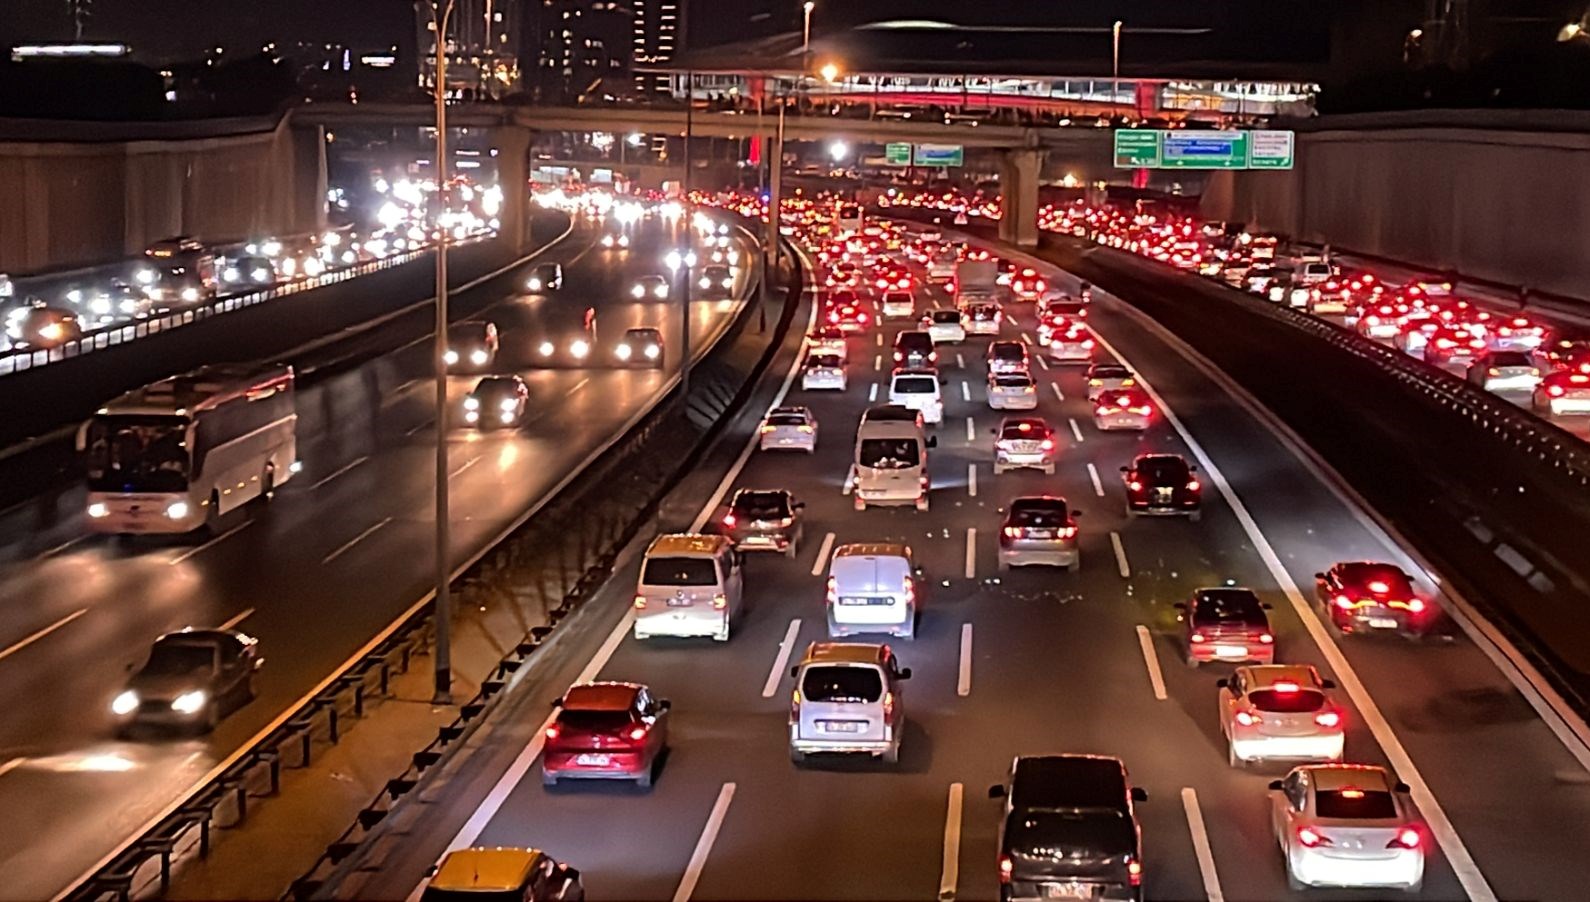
x=659 y=33
x=581 y=46
x=482 y=44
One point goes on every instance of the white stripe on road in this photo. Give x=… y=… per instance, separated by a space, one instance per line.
x=971 y=430
x=1156 y=678
x=215 y=541
x=577 y=386
x=971 y=552
x=963 y=682
x=879 y=337
x=347 y=546
x=950 y=871
x=467 y=464
x=877 y=363
x=422 y=426
x=1076 y=430
x=959 y=360
x=1042 y=362
x=1026 y=338
x=8 y=652
x=1120 y=555
x=872 y=393
x=709 y=835
x=1093 y=474
x=822 y=554
x=1058 y=394
x=65 y=545
x=1200 y=838
x=966 y=391
x=781 y=660
x=238 y=618
x=339 y=471
x=971 y=480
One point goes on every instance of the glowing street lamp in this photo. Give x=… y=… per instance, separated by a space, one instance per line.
x=838 y=150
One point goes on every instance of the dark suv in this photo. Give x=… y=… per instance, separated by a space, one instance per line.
x=1069 y=830
x=914 y=349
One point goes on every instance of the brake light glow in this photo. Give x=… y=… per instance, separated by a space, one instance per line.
x=1135 y=486
x=1004 y=869
x=1047 y=444
x=1328 y=719
x=637 y=734
x=1378 y=587
x=728 y=520
x=1407 y=837
x=1196 y=637
x=1134 y=872
x=719 y=602
x=1013 y=532
x=553 y=731
x=833 y=590
x=1343 y=602
x=1266 y=639
x=1193 y=485
x=1285 y=687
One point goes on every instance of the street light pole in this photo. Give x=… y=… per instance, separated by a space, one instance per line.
x=689 y=219
x=1115 y=63
x=806 y=30
x=443 y=615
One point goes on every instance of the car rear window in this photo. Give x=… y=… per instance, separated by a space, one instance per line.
x=1511 y=358
x=889 y=453
x=1297 y=701
x=762 y=505
x=786 y=419
x=1355 y=804
x=1229 y=607
x=946 y=316
x=1042 y=514
x=907 y=340
x=1109 y=372
x=823 y=360
x=826 y=683
x=915 y=385
x=594 y=721
x=1164 y=469
x=1013 y=380
x=1364 y=574
x=680 y=571
x=1006 y=350
x=896 y=297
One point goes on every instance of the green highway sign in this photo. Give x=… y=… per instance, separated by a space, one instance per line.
x=939 y=155
x=897 y=154
x=1204 y=150
x=1271 y=150
x=1137 y=148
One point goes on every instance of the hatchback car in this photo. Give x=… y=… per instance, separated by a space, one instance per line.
x=191 y=679
x=849 y=317
x=1279 y=712
x=717 y=280
x=1360 y=596
x=1007 y=357
x=764 y=519
x=1347 y=825
x=981 y=319
x=824 y=372
x=249 y=271
x=1226 y=624
x=497 y=401
x=502 y=875
x=899 y=305
x=1039 y=530
x=616 y=241
x=944 y=326
x=1069 y=830
x=789 y=428
x=1024 y=442
x=847 y=700
x=650 y=287
x=605 y=731
x=918 y=390
x=640 y=346
x=1504 y=371
x=1071 y=344
x=471 y=346
x=827 y=340
x=1453 y=346
x=545 y=277
x=1563 y=392
x=1162 y=483
x=1103 y=377
x=913 y=349
x=1126 y=408
x=1015 y=391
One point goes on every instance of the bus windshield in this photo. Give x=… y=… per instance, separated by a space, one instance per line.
x=137 y=454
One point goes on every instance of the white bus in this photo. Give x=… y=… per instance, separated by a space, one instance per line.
x=176 y=455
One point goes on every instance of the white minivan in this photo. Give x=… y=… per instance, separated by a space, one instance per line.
x=918 y=389
x=872 y=588
x=690 y=585
x=891 y=462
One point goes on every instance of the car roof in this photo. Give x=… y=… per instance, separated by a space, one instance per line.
x=485 y=869
x=873 y=549
x=886 y=413
x=643 y=330
x=1068 y=781
x=1356 y=570
x=686 y=544
x=1224 y=596
x=600 y=697
x=791 y=411
x=1263 y=676
x=844 y=653
x=200 y=637
x=1331 y=777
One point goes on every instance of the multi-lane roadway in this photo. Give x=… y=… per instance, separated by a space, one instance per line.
x=1020 y=662
x=341 y=553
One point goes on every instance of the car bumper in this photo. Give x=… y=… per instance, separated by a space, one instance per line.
x=889 y=497
x=834 y=746
x=1231 y=652
x=149 y=519
x=1120 y=421
x=1563 y=406
x=1511 y=383
x=898 y=312
x=1039 y=555
x=1325 y=747
x=762 y=541
x=1021 y=461
x=822 y=385
x=1023 y=401
x=1381 y=331
x=1146 y=509
x=1049 y=890
x=1387 y=621
x=1069 y=353
x=982 y=329
x=618 y=766
x=674 y=625
x=804 y=443
x=1316 y=868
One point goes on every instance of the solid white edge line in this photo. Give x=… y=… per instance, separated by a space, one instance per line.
x=971 y=552
x=963 y=678
x=237 y=618
x=781 y=660
x=215 y=541
x=950 y=871
x=1200 y=839
x=1058 y=394
x=1457 y=854
x=971 y=480
x=822 y=554
x=40 y=634
x=971 y=430
x=466 y=465
x=1120 y=555
x=347 y=546
x=1156 y=677
x=709 y=836
x=1093 y=474
x=1076 y=430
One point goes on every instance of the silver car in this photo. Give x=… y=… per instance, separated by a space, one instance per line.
x=981 y=319
x=652 y=287
x=1499 y=371
x=1073 y=344
x=847 y=700
x=1103 y=377
x=1347 y=825
x=823 y=372
x=1013 y=391
x=1041 y=530
x=789 y=429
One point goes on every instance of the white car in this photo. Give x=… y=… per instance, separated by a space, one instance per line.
x=981 y=319
x=827 y=340
x=1279 y=712
x=918 y=390
x=653 y=287
x=716 y=278
x=1012 y=391
x=1073 y=345
x=1024 y=442
x=1347 y=825
x=789 y=429
x=824 y=372
x=1499 y=371
x=1126 y=409
x=1103 y=377
x=899 y=305
x=944 y=326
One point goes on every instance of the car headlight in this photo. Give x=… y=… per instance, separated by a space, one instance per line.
x=450 y=357
x=652 y=351
x=313 y=266
x=580 y=348
x=261 y=275
x=145 y=276
x=176 y=510
x=705 y=282
x=638 y=291
x=100 y=305
x=479 y=357
x=508 y=404
x=546 y=348
x=190 y=294
x=660 y=291
x=728 y=283
x=534 y=284
x=623 y=352
x=231 y=274
x=607 y=241
x=190 y=702
x=125 y=703
x=471 y=403
x=471 y=416
x=98 y=511
x=129 y=306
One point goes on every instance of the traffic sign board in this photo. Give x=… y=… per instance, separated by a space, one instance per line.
x=1271 y=150
x=897 y=154
x=1205 y=150
x=1137 y=148
x=939 y=155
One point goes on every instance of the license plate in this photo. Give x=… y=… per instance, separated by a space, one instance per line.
x=1383 y=623
x=853 y=600
x=1067 y=891
x=593 y=760
x=1231 y=651
x=840 y=726
x=679 y=602
x=1039 y=534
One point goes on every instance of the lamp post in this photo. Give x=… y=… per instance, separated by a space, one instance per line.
x=689 y=218
x=1115 y=63
x=806 y=29
x=441 y=11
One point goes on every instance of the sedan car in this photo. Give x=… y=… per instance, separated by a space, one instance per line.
x=913 y=349
x=249 y=271
x=1024 y=442
x=789 y=428
x=1500 y=371
x=848 y=317
x=496 y=401
x=827 y=340
x=1012 y=391
x=471 y=346
x=1005 y=357
x=615 y=241
x=1347 y=825
x=1565 y=392
x=1361 y=596
x=38 y=326
x=650 y=287
x=981 y=319
x=1226 y=624
x=1126 y=408
x=824 y=372
x=605 y=731
x=1279 y=712
x=1162 y=483
x=545 y=277
x=640 y=346
x=944 y=326
x=716 y=280
x=191 y=680
x=1453 y=345
x=764 y=519
x=1039 y=530
x=1071 y=344
x=1103 y=377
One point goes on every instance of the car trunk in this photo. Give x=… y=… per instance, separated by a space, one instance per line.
x=1060 y=847
x=841 y=703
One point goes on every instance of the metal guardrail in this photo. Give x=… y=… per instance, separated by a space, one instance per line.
x=122 y=333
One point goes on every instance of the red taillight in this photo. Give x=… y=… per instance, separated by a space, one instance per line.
x=1013 y=532
x=1047 y=444
x=1311 y=839
x=1328 y=719
x=1066 y=532
x=1088 y=343
x=719 y=602
x=833 y=591
x=637 y=734
x=1266 y=639
x=766 y=429
x=1004 y=869
x=728 y=520
x=1193 y=485
x=1135 y=486
x=910 y=591
x=888 y=707
x=1407 y=838
x=553 y=731
x=1554 y=390
x=1416 y=605
x=795 y=705
x=861 y=318
x=1343 y=602
x=897 y=356
x=1134 y=872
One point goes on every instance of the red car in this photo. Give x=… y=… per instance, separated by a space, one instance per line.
x=848 y=318
x=606 y=731
x=1362 y=596
x=1227 y=624
x=1162 y=484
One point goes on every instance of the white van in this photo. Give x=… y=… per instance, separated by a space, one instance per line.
x=891 y=462
x=690 y=585
x=872 y=588
x=918 y=390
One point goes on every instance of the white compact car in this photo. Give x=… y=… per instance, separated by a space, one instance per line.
x=944 y=326
x=1347 y=825
x=918 y=390
x=824 y=372
x=1012 y=391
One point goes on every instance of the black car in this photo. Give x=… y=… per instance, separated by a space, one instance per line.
x=545 y=277
x=766 y=519
x=641 y=346
x=497 y=401
x=1069 y=830
x=1162 y=484
x=191 y=680
x=914 y=349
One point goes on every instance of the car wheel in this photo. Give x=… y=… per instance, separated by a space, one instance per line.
x=922 y=504
x=860 y=505
x=796 y=756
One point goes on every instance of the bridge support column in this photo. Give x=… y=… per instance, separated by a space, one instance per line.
x=513 y=176
x=1018 y=188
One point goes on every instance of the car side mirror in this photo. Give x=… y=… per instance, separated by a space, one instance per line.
x=1402 y=787
x=431 y=871
x=933 y=441
x=1223 y=683
x=997 y=791
x=1126 y=469
x=664 y=705
x=904 y=674
x=557 y=703
x=1328 y=684
x=1275 y=785
x=800 y=505
x=1139 y=794
x=1180 y=605
x=795 y=671
x=258 y=663
x=1320 y=577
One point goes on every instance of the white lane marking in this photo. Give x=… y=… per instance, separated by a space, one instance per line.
x=1200 y=838
x=467 y=464
x=959 y=360
x=1076 y=430
x=1156 y=678
x=1026 y=338
x=347 y=546
x=971 y=430
x=237 y=618
x=781 y=660
x=215 y=541
x=879 y=337
x=1058 y=394
x=340 y=471
x=1098 y=486
x=877 y=363
x=966 y=391
x=709 y=835
x=971 y=480
x=8 y=652
x=872 y=393
x=1474 y=884
x=577 y=386
x=64 y=545
x=422 y=426
x=1120 y=555
x=963 y=682
x=950 y=871
x=971 y=552
x=1042 y=362
x=822 y=554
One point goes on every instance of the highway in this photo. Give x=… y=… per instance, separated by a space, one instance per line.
x=342 y=552
x=1024 y=662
